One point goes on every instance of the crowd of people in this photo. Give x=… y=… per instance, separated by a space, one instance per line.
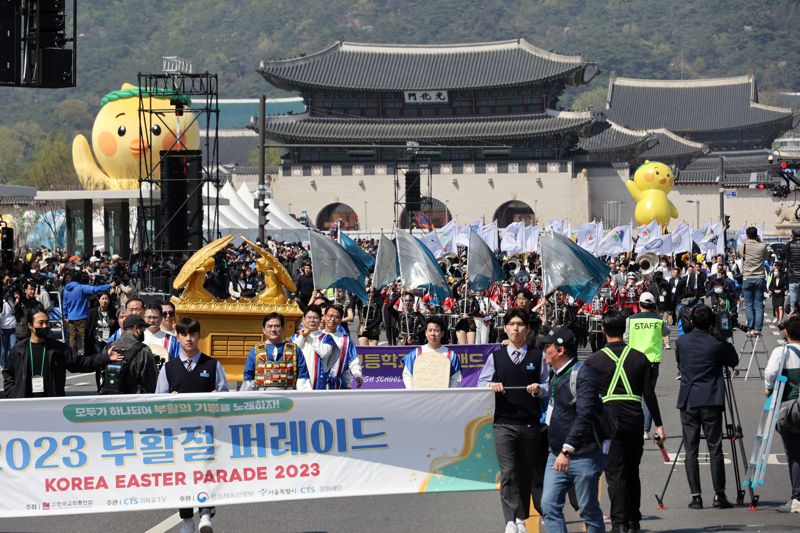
x=559 y=421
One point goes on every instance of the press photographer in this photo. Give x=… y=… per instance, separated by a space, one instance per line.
x=701 y=359
x=137 y=372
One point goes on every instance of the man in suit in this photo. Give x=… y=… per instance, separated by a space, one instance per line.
x=689 y=289
x=701 y=359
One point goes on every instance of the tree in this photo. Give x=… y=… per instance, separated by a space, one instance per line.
x=51 y=165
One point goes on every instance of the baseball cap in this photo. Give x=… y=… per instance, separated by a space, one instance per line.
x=647 y=298
x=561 y=336
x=133 y=321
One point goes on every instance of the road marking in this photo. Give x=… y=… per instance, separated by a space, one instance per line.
x=79 y=384
x=165 y=525
x=75 y=376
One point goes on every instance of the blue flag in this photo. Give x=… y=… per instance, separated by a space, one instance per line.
x=483 y=269
x=568 y=267
x=362 y=259
x=418 y=267
x=386 y=269
x=332 y=266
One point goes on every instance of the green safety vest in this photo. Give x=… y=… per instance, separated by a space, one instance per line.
x=644 y=334
x=619 y=375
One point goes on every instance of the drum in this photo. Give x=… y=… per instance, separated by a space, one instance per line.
x=452 y=320
x=497 y=321
x=595 y=324
x=582 y=321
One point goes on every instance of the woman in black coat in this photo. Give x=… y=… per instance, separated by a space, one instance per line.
x=777 y=288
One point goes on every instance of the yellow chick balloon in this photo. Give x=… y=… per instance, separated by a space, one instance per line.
x=114 y=164
x=649 y=187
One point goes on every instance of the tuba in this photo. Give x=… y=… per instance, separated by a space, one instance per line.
x=647 y=263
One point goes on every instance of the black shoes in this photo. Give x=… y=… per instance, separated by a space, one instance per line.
x=721 y=501
x=697 y=502
x=633 y=527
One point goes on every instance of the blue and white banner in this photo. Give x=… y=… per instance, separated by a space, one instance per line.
x=80 y=455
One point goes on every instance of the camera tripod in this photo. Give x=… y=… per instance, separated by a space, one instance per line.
x=732 y=432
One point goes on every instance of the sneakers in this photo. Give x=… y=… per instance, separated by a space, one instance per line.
x=205 y=524
x=696 y=503
x=646 y=436
x=721 y=501
x=511 y=527
x=792 y=506
x=521 y=528
x=187 y=525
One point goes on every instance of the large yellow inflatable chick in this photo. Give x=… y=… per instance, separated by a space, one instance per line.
x=116 y=143
x=649 y=187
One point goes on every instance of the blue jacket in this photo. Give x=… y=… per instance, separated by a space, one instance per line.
x=573 y=423
x=76 y=299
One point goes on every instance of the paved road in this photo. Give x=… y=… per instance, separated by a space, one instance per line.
x=480 y=512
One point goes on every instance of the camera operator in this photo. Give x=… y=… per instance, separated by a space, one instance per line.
x=754 y=283
x=137 y=372
x=701 y=359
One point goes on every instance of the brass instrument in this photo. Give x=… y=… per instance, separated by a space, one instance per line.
x=647 y=263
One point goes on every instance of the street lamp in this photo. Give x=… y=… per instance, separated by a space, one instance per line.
x=366 y=220
x=697 y=212
x=290 y=208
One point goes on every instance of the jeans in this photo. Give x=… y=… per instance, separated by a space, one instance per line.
x=7 y=341
x=584 y=473
x=793 y=296
x=648 y=418
x=753 y=293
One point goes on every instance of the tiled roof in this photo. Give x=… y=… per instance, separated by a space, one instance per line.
x=685 y=106
x=615 y=139
x=393 y=67
x=671 y=146
x=430 y=130
x=742 y=169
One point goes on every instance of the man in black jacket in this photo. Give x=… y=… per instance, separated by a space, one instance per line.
x=576 y=456
x=508 y=371
x=701 y=359
x=137 y=373
x=625 y=376
x=791 y=257
x=37 y=366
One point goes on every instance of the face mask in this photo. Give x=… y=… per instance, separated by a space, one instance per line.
x=718 y=290
x=41 y=332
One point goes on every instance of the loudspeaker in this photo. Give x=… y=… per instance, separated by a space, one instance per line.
x=10 y=42
x=7 y=238
x=181 y=212
x=55 y=67
x=412 y=191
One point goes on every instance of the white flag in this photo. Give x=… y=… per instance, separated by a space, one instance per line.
x=647 y=233
x=489 y=235
x=617 y=241
x=562 y=227
x=531 y=239
x=508 y=238
x=660 y=245
x=588 y=236
x=712 y=239
x=447 y=236
x=431 y=241
x=682 y=239
x=463 y=233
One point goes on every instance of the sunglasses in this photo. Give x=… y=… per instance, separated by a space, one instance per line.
x=167 y=314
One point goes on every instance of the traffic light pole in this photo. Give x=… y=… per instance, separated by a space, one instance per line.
x=262 y=170
x=722 y=201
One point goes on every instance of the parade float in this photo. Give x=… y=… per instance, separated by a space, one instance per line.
x=230 y=328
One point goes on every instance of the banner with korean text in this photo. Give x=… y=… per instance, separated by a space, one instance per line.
x=382 y=366
x=125 y=453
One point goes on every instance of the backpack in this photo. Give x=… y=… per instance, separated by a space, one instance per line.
x=604 y=425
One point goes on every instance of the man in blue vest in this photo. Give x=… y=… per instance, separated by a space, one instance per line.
x=192 y=372
x=624 y=378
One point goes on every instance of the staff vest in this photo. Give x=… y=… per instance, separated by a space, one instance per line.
x=644 y=334
x=619 y=377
